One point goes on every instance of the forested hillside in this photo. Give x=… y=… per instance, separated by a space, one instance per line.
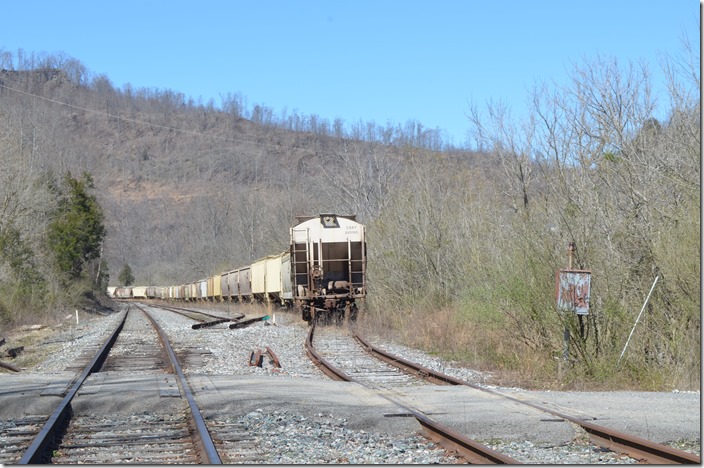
x=470 y=239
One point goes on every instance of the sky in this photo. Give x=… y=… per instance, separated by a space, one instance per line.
x=386 y=61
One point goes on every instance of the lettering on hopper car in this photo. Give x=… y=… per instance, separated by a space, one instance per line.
x=352 y=231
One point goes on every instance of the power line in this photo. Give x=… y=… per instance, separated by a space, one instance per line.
x=135 y=121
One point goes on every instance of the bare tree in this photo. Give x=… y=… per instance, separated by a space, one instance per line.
x=357 y=178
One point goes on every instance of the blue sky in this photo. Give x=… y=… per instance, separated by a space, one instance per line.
x=370 y=60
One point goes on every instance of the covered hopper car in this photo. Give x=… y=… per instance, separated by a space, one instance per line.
x=328 y=266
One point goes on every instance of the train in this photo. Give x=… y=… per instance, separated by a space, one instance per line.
x=322 y=275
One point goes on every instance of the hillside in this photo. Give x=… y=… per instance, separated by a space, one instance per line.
x=466 y=242
x=187 y=189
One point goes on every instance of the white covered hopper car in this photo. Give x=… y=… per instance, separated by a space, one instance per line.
x=328 y=266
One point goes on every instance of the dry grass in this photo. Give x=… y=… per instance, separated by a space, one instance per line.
x=31 y=339
x=492 y=348
x=478 y=346
x=40 y=339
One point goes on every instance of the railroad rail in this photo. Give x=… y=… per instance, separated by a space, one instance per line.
x=452 y=441
x=37 y=450
x=43 y=444
x=215 y=319
x=641 y=449
x=340 y=348
x=202 y=435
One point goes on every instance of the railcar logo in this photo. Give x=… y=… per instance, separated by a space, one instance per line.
x=329 y=221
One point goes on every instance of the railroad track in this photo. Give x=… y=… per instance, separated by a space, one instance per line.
x=638 y=448
x=108 y=437
x=451 y=440
x=336 y=366
x=341 y=349
x=137 y=348
x=234 y=442
x=83 y=429
x=19 y=434
x=204 y=319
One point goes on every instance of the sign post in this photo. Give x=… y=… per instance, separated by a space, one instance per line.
x=572 y=293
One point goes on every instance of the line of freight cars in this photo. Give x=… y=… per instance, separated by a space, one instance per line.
x=322 y=274
x=267 y=279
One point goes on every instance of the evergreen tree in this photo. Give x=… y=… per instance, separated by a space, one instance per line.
x=17 y=255
x=76 y=233
x=126 y=277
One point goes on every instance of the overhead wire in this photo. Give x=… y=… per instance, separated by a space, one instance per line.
x=136 y=121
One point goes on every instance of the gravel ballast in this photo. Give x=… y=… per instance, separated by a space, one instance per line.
x=300 y=416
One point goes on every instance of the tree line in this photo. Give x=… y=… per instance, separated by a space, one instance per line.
x=162 y=104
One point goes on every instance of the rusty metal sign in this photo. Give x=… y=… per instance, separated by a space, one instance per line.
x=573 y=289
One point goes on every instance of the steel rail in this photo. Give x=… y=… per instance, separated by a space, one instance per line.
x=37 y=451
x=635 y=447
x=327 y=368
x=202 y=323
x=406 y=365
x=183 y=311
x=208 y=453
x=472 y=451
